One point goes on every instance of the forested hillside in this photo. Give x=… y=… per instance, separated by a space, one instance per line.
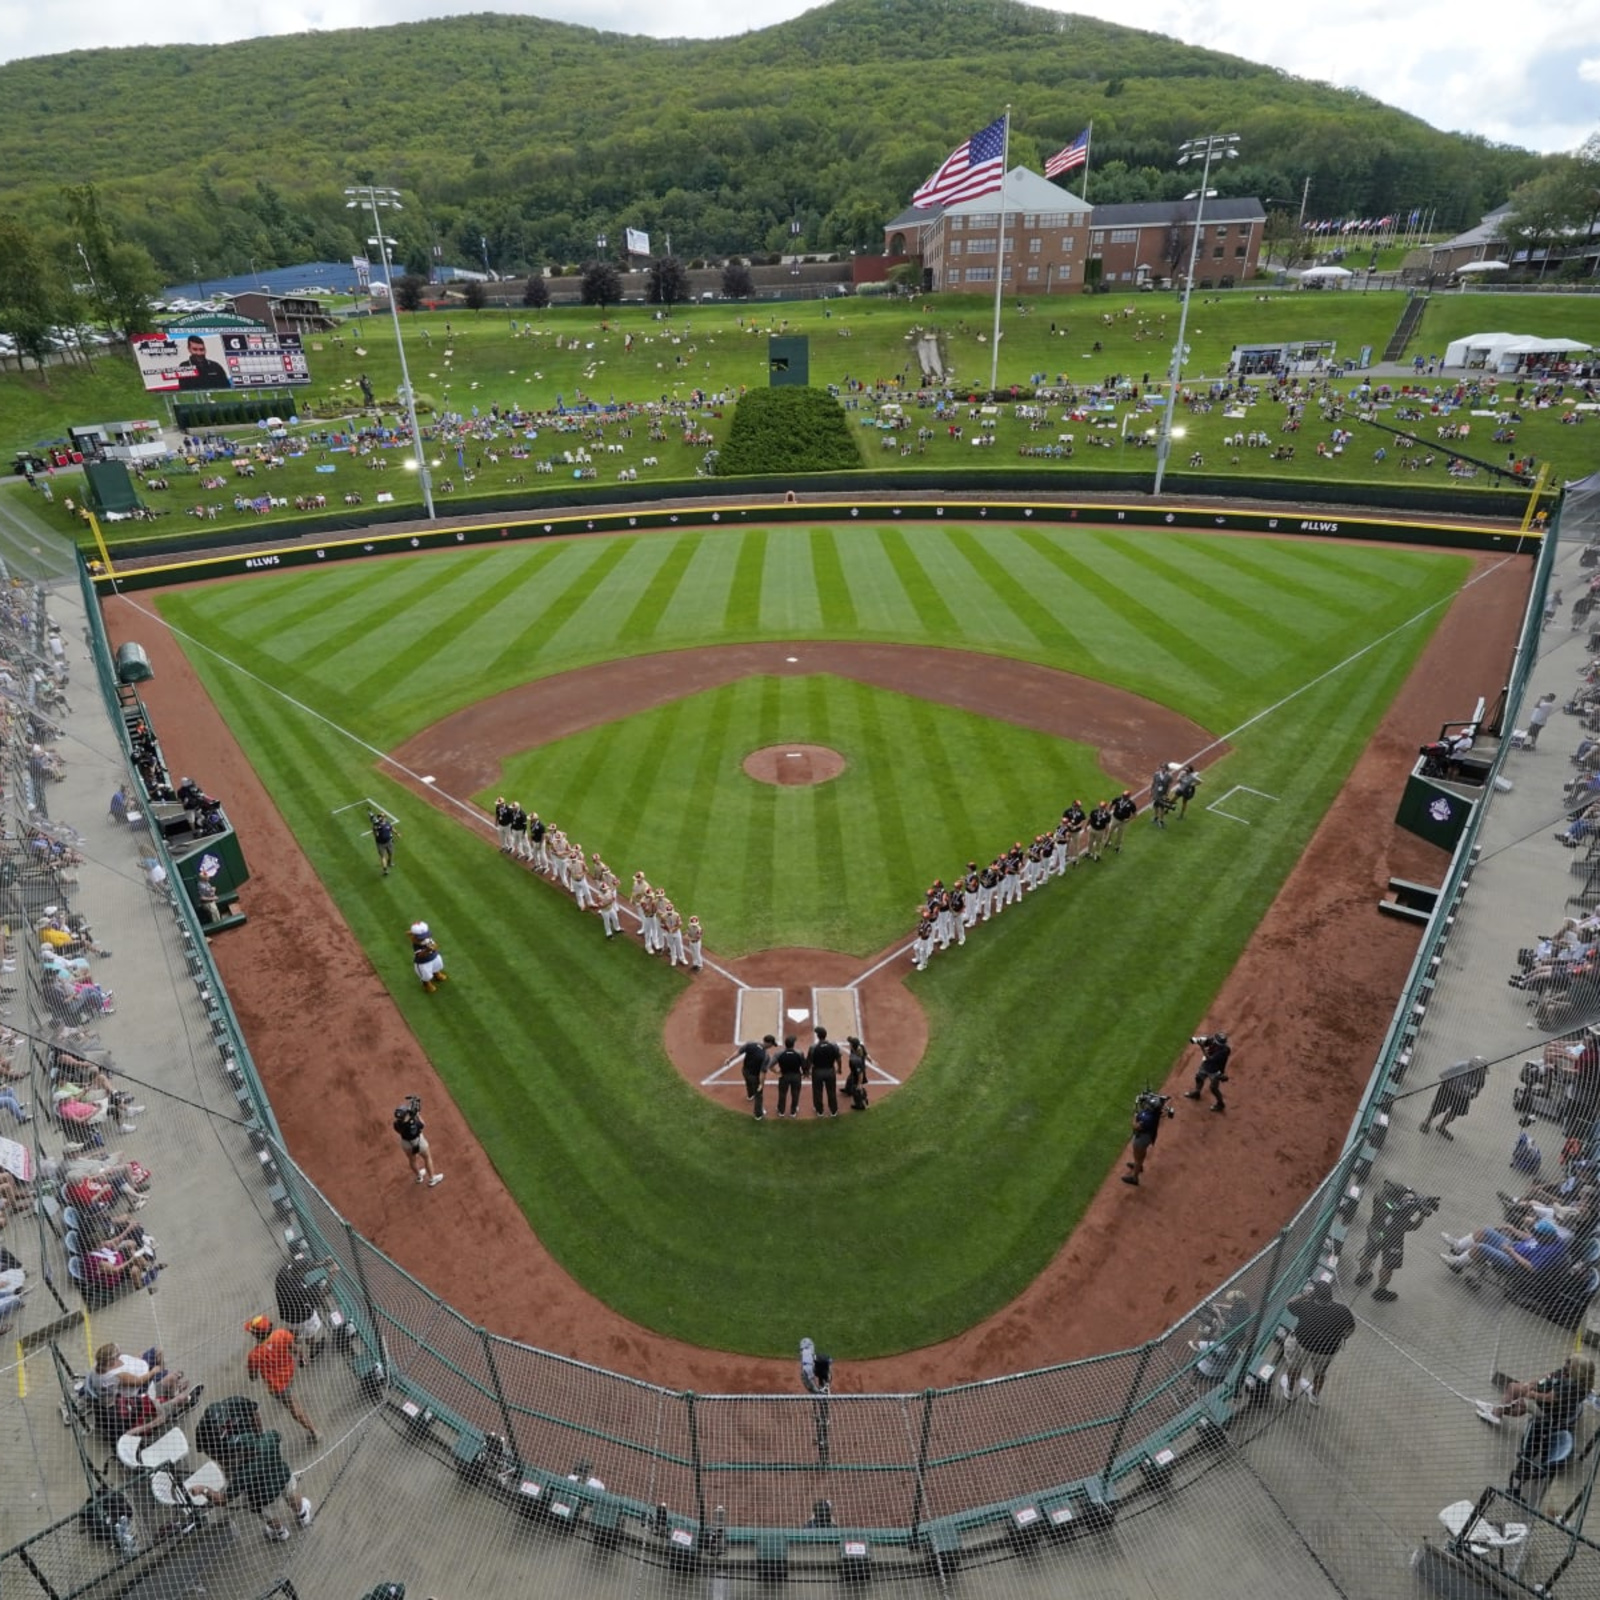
x=534 y=136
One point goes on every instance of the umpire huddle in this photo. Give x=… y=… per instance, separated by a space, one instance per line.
x=820 y=1064
x=949 y=911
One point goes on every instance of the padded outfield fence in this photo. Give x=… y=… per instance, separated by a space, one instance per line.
x=1116 y=1459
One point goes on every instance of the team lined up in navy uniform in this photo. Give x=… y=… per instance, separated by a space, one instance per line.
x=949 y=912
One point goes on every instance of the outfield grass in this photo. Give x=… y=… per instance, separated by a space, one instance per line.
x=955 y=1191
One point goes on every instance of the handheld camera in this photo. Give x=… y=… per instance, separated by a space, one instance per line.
x=1149 y=1100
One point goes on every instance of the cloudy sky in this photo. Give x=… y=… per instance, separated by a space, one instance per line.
x=1527 y=74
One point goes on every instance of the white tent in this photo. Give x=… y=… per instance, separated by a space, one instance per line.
x=1480 y=266
x=1478 y=349
x=1326 y=274
x=1532 y=345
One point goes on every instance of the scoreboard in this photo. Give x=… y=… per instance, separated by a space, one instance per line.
x=244 y=358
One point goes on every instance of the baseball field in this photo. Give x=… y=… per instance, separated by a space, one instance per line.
x=884 y=1232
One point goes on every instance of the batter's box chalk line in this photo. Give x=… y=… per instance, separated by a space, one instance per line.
x=1239 y=788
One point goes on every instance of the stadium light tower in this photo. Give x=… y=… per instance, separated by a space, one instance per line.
x=1208 y=148
x=368 y=195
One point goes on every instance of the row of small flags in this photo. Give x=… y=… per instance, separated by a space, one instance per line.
x=1396 y=219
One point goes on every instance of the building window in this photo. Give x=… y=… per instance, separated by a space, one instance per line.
x=1033 y=274
x=1035 y=245
x=980 y=274
x=1055 y=219
x=1244 y=230
x=956 y=224
x=954 y=275
x=1217 y=254
x=1066 y=242
x=1098 y=237
x=982 y=247
x=1030 y=221
x=1241 y=250
x=1222 y=232
x=1124 y=236
x=954 y=247
x=990 y=221
x=1064 y=272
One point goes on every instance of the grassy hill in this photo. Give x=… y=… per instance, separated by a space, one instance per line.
x=538 y=134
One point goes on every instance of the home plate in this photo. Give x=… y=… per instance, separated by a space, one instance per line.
x=430 y=779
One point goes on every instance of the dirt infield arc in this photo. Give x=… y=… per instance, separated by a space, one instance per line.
x=1307 y=1005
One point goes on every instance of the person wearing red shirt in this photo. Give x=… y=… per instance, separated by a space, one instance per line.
x=273 y=1362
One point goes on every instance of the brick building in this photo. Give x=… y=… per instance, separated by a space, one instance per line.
x=1047 y=234
x=1150 y=240
x=1052 y=238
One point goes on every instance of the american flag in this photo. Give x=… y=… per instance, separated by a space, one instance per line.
x=974 y=168
x=1075 y=155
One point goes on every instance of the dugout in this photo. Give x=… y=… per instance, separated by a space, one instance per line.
x=1299 y=355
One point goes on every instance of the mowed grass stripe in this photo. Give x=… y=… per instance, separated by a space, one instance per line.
x=791 y=606
x=508 y=633
x=883 y=609
x=704 y=591
x=998 y=571
x=1132 y=643
x=837 y=604
x=983 y=611
x=576 y=622
x=674 y=552
x=690 y=817
x=1319 y=586
x=939 y=623
x=741 y=618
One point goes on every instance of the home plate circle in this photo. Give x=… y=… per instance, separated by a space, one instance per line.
x=794 y=765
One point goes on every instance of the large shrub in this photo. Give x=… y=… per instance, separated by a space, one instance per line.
x=788 y=430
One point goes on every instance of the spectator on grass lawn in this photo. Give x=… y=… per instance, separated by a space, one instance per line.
x=1322 y=1324
x=273 y=1362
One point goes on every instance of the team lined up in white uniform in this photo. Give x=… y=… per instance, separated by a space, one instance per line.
x=594 y=886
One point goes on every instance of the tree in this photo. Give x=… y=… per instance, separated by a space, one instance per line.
x=601 y=285
x=122 y=276
x=737 y=284
x=668 y=282
x=28 y=307
x=1541 y=212
x=536 y=293
x=1179 y=242
x=474 y=294
x=408 y=291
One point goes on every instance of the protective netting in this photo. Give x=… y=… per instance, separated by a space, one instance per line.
x=460 y=1463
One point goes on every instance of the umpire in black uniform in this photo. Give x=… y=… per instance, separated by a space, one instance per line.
x=791 y=1067
x=752 y=1059
x=824 y=1061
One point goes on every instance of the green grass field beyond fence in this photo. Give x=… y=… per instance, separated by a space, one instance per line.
x=951 y=1194
x=577 y=352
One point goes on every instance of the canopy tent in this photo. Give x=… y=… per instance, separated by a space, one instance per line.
x=1478 y=349
x=1532 y=345
x=1480 y=266
x=1328 y=274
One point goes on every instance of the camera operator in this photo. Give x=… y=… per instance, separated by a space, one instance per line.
x=1147 y=1110
x=383 y=832
x=408 y=1124
x=1396 y=1211
x=1215 y=1052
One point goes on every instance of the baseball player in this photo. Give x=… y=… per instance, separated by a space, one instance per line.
x=502 y=823
x=519 y=831
x=693 y=936
x=578 y=874
x=604 y=900
x=922 y=943
x=1099 y=826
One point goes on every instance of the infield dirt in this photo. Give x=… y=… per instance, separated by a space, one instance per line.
x=1323 y=969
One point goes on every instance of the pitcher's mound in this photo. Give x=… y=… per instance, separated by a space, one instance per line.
x=794 y=764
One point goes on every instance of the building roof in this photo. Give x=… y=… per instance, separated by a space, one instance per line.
x=1163 y=213
x=1025 y=191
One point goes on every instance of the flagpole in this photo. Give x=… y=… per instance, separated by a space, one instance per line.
x=1000 y=259
x=1088 y=145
